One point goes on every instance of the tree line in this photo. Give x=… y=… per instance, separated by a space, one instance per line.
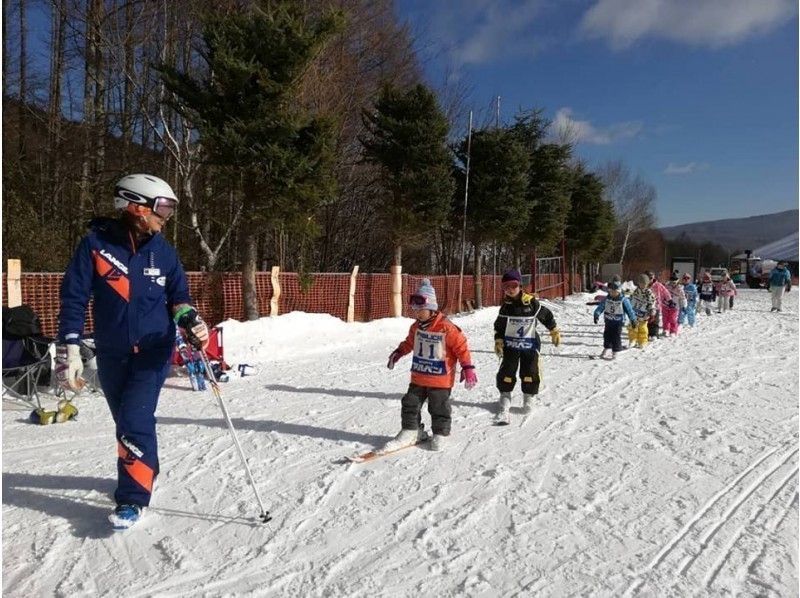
x=295 y=134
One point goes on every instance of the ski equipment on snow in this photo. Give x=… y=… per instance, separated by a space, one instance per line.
x=377 y=453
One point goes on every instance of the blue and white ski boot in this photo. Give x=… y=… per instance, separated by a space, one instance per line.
x=125 y=516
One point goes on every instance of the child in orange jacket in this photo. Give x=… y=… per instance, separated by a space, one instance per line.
x=437 y=344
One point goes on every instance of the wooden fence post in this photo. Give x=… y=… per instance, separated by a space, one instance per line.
x=276 y=291
x=13 y=282
x=396 y=300
x=351 y=298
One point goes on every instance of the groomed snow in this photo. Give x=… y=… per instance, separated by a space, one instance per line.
x=669 y=472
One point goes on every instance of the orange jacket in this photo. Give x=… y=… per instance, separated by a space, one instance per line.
x=436 y=350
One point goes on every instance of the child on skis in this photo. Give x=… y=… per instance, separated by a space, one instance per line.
x=725 y=291
x=690 y=290
x=437 y=344
x=517 y=342
x=662 y=296
x=643 y=303
x=675 y=303
x=614 y=309
x=707 y=293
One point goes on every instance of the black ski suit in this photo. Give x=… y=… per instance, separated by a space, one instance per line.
x=516 y=325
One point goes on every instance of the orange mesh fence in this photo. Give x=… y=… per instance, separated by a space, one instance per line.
x=218 y=295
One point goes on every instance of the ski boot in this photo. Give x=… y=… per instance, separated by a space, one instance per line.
x=405 y=438
x=527 y=403
x=438 y=442
x=125 y=516
x=502 y=417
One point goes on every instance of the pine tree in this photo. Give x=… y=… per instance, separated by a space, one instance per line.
x=250 y=122
x=498 y=182
x=549 y=178
x=591 y=222
x=406 y=138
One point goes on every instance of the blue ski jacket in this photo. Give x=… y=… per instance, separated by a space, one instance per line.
x=615 y=310
x=691 y=294
x=779 y=277
x=134 y=287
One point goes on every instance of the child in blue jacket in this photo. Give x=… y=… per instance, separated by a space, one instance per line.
x=688 y=313
x=614 y=309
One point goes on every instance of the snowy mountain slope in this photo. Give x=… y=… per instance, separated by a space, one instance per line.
x=670 y=471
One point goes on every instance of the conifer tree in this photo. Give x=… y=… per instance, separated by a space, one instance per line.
x=407 y=138
x=498 y=183
x=249 y=120
x=591 y=222
x=549 y=181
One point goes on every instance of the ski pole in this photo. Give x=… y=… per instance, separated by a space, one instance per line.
x=264 y=516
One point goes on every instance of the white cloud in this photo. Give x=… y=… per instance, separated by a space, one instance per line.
x=689 y=168
x=698 y=22
x=481 y=31
x=582 y=131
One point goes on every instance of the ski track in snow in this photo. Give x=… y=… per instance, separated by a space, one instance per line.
x=670 y=471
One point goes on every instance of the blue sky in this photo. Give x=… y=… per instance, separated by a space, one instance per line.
x=699 y=97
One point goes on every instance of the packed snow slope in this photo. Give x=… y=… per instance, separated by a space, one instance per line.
x=670 y=471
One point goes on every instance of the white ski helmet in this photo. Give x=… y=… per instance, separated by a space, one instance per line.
x=142 y=189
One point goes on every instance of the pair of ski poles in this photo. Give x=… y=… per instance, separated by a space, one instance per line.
x=264 y=516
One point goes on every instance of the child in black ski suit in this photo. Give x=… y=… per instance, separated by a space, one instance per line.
x=517 y=342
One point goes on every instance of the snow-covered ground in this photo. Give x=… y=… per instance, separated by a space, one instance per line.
x=668 y=472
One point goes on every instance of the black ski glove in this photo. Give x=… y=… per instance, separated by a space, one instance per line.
x=194 y=327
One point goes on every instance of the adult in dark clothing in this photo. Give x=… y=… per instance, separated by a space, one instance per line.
x=140 y=293
x=517 y=342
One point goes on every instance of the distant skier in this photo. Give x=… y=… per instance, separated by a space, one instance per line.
x=675 y=303
x=437 y=344
x=707 y=293
x=140 y=292
x=517 y=343
x=643 y=302
x=779 y=281
x=690 y=290
x=614 y=308
x=725 y=291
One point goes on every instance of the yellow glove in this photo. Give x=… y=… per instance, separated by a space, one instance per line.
x=498 y=347
x=555 y=335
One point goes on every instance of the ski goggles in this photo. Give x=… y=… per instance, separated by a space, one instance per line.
x=164 y=207
x=417 y=300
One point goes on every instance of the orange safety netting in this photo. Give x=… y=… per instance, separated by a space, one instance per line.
x=218 y=295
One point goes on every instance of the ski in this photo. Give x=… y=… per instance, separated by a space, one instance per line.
x=376 y=454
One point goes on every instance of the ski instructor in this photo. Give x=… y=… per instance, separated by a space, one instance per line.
x=140 y=293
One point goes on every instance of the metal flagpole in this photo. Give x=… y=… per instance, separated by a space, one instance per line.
x=464 y=226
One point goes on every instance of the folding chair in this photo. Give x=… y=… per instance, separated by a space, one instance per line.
x=27 y=365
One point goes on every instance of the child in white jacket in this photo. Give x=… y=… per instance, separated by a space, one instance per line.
x=725 y=290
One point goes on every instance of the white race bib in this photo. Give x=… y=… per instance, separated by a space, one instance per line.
x=520 y=333
x=429 y=353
